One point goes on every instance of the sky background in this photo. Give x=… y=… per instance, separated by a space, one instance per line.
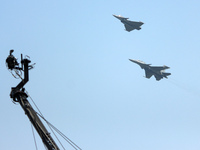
x=83 y=82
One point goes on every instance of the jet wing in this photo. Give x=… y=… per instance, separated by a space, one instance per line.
x=134 y=23
x=158 y=77
x=148 y=74
x=129 y=28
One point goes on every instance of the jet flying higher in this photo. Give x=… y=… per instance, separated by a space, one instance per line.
x=129 y=25
x=157 y=71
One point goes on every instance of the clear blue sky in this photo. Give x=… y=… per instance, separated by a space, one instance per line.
x=84 y=83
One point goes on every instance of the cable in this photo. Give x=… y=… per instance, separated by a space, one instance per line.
x=16 y=71
x=34 y=137
x=61 y=134
x=54 y=134
x=51 y=126
x=33 y=102
x=43 y=117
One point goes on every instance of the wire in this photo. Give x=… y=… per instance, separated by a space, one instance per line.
x=40 y=114
x=34 y=137
x=43 y=117
x=76 y=147
x=61 y=134
x=33 y=102
x=17 y=72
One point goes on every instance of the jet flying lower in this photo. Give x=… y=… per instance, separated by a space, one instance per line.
x=157 y=71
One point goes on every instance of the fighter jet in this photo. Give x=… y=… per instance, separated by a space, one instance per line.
x=157 y=71
x=129 y=25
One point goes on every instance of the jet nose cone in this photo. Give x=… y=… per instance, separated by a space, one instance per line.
x=116 y=16
x=132 y=60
